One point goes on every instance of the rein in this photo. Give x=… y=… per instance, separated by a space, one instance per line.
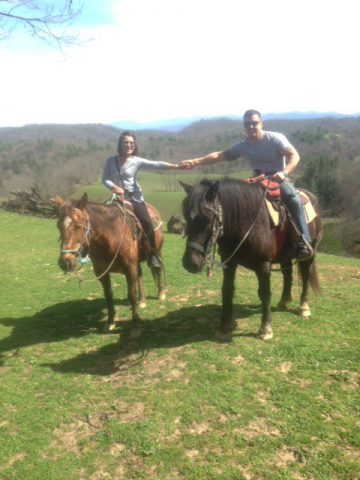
x=217 y=232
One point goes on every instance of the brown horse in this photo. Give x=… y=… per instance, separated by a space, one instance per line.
x=106 y=233
x=236 y=210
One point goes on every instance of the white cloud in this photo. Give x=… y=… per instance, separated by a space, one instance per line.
x=164 y=59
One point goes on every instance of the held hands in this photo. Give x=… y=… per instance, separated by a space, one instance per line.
x=188 y=164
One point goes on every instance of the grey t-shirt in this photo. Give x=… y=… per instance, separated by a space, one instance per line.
x=265 y=155
x=125 y=177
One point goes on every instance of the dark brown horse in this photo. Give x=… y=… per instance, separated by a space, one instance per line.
x=106 y=233
x=244 y=218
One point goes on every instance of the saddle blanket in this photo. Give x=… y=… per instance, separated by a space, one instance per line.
x=274 y=209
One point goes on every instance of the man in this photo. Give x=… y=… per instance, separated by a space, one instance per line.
x=272 y=154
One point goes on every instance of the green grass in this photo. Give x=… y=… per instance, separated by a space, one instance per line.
x=330 y=242
x=175 y=403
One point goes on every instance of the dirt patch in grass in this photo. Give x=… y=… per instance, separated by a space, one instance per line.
x=283 y=457
x=70 y=436
x=15 y=458
x=258 y=427
x=284 y=367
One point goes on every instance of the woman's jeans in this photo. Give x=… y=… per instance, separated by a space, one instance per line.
x=293 y=202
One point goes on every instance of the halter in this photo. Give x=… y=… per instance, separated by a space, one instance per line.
x=217 y=232
x=87 y=234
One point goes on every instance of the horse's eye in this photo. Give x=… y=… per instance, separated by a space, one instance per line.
x=77 y=227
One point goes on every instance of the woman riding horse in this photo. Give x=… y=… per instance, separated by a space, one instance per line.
x=119 y=175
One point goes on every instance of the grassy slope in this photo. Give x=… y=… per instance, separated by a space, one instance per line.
x=175 y=403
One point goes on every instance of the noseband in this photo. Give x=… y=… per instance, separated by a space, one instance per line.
x=217 y=232
x=87 y=234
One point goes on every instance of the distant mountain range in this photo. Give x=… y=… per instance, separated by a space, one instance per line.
x=176 y=124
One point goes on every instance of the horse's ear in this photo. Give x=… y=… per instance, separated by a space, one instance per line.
x=83 y=201
x=213 y=191
x=185 y=186
x=59 y=201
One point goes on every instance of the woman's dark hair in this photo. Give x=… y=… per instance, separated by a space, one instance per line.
x=120 y=150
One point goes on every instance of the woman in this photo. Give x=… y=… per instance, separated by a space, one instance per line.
x=119 y=175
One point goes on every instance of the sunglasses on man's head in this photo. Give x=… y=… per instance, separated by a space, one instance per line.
x=251 y=124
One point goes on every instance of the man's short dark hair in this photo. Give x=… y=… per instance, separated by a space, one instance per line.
x=250 y=113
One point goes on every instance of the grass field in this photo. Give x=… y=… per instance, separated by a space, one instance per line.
x=175 y=403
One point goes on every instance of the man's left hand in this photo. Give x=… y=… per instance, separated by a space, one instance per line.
x=278 y=177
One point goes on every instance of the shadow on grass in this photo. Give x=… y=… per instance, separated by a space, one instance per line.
x=76 y=319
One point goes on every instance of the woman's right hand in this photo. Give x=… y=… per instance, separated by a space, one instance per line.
x=117 y=190
x=188 y=164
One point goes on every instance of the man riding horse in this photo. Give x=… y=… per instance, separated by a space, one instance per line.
x=273 y=156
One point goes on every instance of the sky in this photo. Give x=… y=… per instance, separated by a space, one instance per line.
x=149 y=60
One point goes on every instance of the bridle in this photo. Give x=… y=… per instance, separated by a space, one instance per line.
x=86 y=236
x=216 y=232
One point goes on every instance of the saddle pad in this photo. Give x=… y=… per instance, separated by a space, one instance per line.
x=308 y=209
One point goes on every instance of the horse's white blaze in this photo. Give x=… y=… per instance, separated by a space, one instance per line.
x=193 y=213
x=67 y=221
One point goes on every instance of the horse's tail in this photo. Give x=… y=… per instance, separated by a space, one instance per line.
x=313 y=277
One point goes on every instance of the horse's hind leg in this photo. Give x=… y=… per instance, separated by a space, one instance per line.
x=286 y=270
x=264 y=292
x=106 y=284
x=131 y=279
x=157 y=273
x=142 y=298
x=304 y=267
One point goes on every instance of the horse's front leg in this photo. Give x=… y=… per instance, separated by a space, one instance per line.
x=264 y=292
x=226 y=327
x=141 y=293
x=131 y=279
x=286 y=270
x=106 y=284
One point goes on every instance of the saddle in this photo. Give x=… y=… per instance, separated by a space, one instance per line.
x=134 y=222
x=280 y=216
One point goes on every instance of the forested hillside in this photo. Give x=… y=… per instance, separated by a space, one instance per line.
x=62 y=157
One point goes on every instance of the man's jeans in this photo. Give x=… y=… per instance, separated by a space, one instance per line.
x=292 y=200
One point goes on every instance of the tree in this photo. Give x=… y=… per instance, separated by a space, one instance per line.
x=45 y=20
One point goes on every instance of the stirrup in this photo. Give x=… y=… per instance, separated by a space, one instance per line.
x=153 y=261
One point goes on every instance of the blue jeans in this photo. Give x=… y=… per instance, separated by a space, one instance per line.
x=292 y=200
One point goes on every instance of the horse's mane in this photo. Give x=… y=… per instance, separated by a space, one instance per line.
x=103 y=217
x=240 y=202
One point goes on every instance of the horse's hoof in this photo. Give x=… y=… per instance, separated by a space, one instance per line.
x=135 y=332
x=266 y=335
x=304 y=312
x=282 y=307
x=223 y=336
x=109 y=326
x=142 y=304
x=161 y=296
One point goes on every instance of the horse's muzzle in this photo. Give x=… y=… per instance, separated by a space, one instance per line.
x=193 y=261
x=67 y=262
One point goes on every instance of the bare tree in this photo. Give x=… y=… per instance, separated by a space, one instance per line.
x=46 y=20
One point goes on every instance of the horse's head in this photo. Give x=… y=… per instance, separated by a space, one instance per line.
x=74 y=228
x=200 y=212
